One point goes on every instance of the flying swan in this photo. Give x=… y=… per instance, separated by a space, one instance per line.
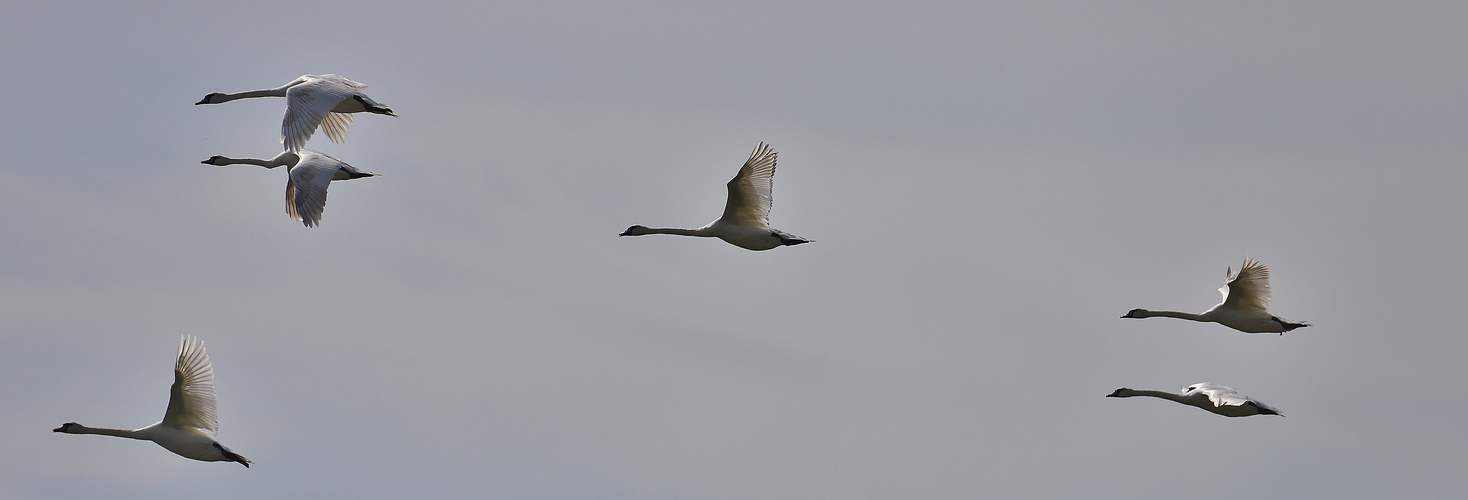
x=326 y=101
x=190 y=424
x=1245 y=305
x=311 y=172
x=746 y=219
x=1219 y=399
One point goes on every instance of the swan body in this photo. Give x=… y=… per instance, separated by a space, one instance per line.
x=1215 y=398
x=311 y=172
x=1245 y=305
x=190 y=423
x=746 y=219
x=325 y=101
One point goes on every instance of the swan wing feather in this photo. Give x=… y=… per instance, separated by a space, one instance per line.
x=307 y=105
x=1219 y=395
x=1248 y=289
x=749 y=191
x=290 y=198
x=341 y=80
x=191 y=401
x=306 y=191
x=335 y=126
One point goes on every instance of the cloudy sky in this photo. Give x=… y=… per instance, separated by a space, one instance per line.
x=989 y=187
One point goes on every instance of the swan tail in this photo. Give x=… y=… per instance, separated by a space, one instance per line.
x=232 y=456
x=1288 y=325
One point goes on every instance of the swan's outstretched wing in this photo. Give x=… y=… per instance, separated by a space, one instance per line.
x=191 y=400
x=305 y=193
x=749 y=192
x=343 y=81
x=308 y=105
x=1220 y=395
x=1248 y=289
x=335 y=126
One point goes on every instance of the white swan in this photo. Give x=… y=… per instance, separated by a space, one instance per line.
x=190 y=424
x=1245 y=305
x=310 y=174
x=746 y=219
x=1219 y=399
x=311 y=101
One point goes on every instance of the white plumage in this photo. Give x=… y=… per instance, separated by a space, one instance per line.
x=1215 y=398
x=311 y=172
x=1245 y=305
x=746 y=219
x=326 y=101
x=190 y=424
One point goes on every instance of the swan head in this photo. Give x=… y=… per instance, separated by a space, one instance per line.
x=212 y=98
x=1120 y=393
x=1136 y=313
x=215 y=160
x=66 y=427
x=635 y=231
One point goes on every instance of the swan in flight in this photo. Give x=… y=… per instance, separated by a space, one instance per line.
x=1245 y=305
x=746 y=219
x=190 y=424
x=310 y=174
x=326 y=101
x=1219 y=399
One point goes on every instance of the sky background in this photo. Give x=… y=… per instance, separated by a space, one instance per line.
x=989 y=187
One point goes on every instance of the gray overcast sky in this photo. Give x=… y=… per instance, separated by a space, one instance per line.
x=990 y=186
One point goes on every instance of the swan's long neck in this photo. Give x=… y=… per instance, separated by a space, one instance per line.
x=1170 y=314
x=285 y=158
x=124 y=433
x=225 y=160
x=1155 y=394
x=703 y=231
x=221 y=97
